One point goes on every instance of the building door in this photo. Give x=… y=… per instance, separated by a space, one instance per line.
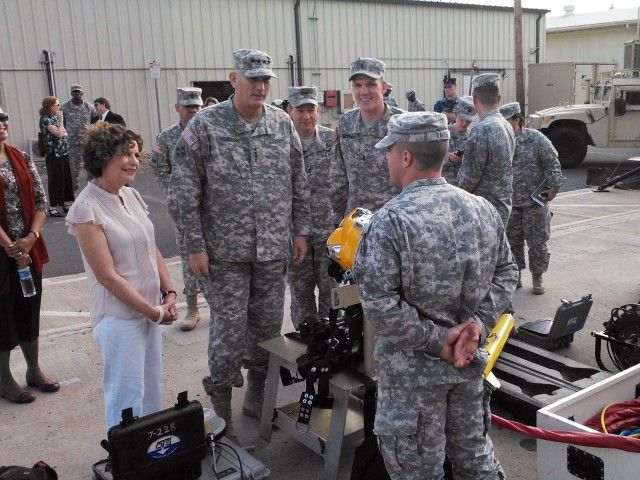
x=221 y=90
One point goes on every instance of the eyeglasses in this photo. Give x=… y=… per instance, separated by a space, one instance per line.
x=4 y=117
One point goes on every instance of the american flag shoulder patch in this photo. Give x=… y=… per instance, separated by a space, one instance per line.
x=189 y=137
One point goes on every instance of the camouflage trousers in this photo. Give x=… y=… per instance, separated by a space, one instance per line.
x=191 y=284
x=246 y=302
x=416 y=426
x=75 y=162
x=303 y=279
x=533 y=226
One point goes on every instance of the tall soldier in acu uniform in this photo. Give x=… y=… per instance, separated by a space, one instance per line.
x=317 y=144
x=434 y=271
x=189 y=102
x=486 y=170
x=244 y=208
x=359 y=174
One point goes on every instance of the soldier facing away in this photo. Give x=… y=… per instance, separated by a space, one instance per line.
x=434 y=271
x=244 y=210
x=486 y=170
x=534 y=161
x=189 y=102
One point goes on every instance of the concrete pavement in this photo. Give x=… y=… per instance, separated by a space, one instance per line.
x=594 y=245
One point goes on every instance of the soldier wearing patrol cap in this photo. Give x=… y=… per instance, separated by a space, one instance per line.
x=388 y=99
x=414 y=105
x=77 y=118
x=359 y=173
x=449 y=101
x=188 y=103
x=486 y=170
x=434 y=271
x=317 y=145
x=464 y=114
x=535 y=159
x=244 y=213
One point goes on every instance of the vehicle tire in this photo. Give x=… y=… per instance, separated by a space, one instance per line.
x=570 y=144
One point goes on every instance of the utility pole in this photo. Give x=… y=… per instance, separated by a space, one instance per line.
x=517 y=24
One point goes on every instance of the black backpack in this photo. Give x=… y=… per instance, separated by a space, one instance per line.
x=40 y=471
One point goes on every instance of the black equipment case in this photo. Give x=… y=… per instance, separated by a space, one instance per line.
x=166 y=445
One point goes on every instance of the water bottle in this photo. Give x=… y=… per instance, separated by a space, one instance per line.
x=26 y=282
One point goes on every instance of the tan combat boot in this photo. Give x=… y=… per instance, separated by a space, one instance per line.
x=538 y=284
x=519 y=284
x=253 y=399
x=193 y=315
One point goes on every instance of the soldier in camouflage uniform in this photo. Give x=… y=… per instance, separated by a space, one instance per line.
x=189 y=102
x=317 y=143
x=77 y=118
x=434 y=271
x=388 y=99
x=448 y=103
x=464 y=114
x=414 y=105
x=486 y=170
x=535 y=160
x=359 y=173
x=244 y=211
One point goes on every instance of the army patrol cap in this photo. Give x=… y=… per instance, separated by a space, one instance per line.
x=301 y=95
x=510 y=109
x=76 y=88
x=486 y=80
x=389 y=87
x=410 y=92
x=465 y=109
x=371 y=67
x=189 y=96
x=414 y=127
x=253 y=63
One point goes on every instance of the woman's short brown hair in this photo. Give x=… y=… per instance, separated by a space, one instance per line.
x=47 y=103
x=103 y=141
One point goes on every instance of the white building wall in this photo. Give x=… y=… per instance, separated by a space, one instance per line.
x=589 y=45
x=106 y=45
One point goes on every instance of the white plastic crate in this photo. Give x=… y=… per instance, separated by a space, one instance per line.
x=558 y=461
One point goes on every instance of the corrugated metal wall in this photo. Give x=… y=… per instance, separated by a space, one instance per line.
x=589 y=45
x=106 y=45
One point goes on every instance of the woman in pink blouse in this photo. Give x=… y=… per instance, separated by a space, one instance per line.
x=131 y=293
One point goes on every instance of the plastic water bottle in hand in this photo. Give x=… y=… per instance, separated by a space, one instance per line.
x=26 y=282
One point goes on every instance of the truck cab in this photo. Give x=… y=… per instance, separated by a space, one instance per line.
x=610 y=119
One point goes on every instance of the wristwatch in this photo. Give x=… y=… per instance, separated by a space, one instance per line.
x=36 y=234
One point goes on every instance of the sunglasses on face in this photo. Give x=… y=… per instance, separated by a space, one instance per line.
x=4 y=117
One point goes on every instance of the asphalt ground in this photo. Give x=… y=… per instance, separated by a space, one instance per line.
x=594 y=246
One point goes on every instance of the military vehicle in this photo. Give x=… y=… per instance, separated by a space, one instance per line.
x=611 y=118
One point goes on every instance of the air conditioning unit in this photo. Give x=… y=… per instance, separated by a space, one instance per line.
x=632 y=54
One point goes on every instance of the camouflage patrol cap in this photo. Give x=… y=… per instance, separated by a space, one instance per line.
x=389 y=87
x=301 y=95
x=510 y=109
x=410 y=92
x=465 y=109
x=253 y=63
x=486 y=80
x=189 y=96
x=415 y=127
x=371 y=67
x=76 y=88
